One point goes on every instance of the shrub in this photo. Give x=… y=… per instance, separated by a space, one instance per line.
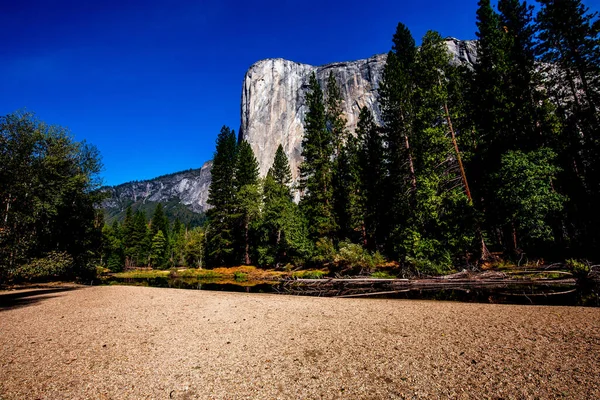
x=240 y=276
x=54 y=265
x=579 y=269
x=313 y=274
x=325 y=251
x=355 y=256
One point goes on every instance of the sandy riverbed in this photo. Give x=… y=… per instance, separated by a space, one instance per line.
x=134 y=342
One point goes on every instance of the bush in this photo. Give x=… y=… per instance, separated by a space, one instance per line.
x=325 y=251
x=240 y=276
x=579 y=269
x=54 y=265
x=313 y=274
x=382 y=275
x=355 y=256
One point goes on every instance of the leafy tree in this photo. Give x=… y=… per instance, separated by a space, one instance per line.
x=49 y=195
x=221 y=196
x=194 y=247
x=528 y=198
x=316 y=171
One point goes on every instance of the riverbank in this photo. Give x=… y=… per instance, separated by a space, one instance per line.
x=135 y=342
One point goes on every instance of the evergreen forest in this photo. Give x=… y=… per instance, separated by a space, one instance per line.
x=468 y=165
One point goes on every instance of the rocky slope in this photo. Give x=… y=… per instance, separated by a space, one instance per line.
x=274 y=107
x=272 y=113
x=180 y=192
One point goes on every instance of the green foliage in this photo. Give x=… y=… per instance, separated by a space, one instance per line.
x=49 y=195
x=569 y=35
x=316 y=172
x=325 y=251
x=528 y=198
x=579 y=269
x=240 y=276
x=309 y=274
x=382 y=275
x=158 y=250
x=193 y=250
x=247 y=198
x=280 y=171
x=173 y=210
x=351 y=255
x=220 y=233
x=54 y=265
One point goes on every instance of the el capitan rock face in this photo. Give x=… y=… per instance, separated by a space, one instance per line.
x=272 y=113
x=273 y=99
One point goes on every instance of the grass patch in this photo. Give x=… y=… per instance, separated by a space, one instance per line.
x=382 y=275
x=141 y=274
x=310 y=274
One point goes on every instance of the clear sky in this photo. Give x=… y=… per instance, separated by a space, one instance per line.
x=150 y=82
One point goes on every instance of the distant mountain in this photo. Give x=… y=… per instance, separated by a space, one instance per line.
x=272 y=113
x=183 y=195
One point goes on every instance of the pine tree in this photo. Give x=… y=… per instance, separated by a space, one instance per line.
x=127 y=234
x=568 y=43
x=140 y=239
x=247 y=196
x=283 y=228
x=280 y=170
x=221 y=196
x=158 y=250
x=159 y=222
x=336 y=122
x=246 y=170
x=434 y=232
x=397 y=109
x=316 y=171
x=372 y=169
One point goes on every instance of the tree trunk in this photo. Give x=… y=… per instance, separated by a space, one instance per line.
x=458 y=157
x=247 y=242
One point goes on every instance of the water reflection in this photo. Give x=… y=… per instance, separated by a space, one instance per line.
x=542 y=294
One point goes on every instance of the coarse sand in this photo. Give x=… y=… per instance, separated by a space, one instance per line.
x=119 y=342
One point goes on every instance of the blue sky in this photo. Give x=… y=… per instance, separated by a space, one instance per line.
x=150 y=82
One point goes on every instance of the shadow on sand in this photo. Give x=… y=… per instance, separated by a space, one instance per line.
x=23 y=298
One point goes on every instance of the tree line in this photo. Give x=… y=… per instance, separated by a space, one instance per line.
x=467 y=165
x=157 y=243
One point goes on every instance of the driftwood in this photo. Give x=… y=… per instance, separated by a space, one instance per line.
x=362 y=287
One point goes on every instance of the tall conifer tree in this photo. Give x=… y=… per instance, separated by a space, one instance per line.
x=221 y=196
x=397 y=109
x=247 y=195
x=316 y=172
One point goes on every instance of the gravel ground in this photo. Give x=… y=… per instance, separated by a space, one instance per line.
x=119 y=342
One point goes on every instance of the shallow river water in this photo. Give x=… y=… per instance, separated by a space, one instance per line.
x=541 y=294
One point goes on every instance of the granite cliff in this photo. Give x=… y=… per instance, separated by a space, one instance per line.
x=272 y=113
x=273 y=99
x=183 y=194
